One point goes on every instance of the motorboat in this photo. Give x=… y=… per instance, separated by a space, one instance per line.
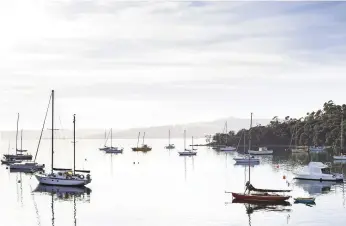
x=247 y=159
x=317 y=148
x=228 y=148
x=318 y=171
x=170 y=146
x=261 y=151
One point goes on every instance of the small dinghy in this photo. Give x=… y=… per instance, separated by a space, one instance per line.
x=309 y=200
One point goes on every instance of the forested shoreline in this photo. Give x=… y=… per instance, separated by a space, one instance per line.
x=321 y=127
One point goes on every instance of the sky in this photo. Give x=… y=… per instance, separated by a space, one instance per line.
x=126 y=64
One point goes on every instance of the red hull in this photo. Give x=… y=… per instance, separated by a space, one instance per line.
x=260 y=198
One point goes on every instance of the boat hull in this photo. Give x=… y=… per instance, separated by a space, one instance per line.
x=187 y=153
x=260 y=198
x=141 y=149
x=19 y=157
x=268 y=152
x=339 y=157
x=228 y=149
x=246 y=160
x=27 y=166
x=46 y=180
x=305 y=200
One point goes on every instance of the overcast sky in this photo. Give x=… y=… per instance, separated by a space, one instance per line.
x=130 y=64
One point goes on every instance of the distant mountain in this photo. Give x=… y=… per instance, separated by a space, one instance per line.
x=198 y=130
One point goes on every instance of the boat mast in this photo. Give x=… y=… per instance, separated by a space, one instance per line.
x=17 y=134
x=139 y=134
x=342 y=132
x=143 y=139
x=111 y=137
x=184 y=140
x=226 y=134
x=192 y=143
x=250 y=145
x=74 y=144
x=169 y=137
x=52 y=130
x=21 y=140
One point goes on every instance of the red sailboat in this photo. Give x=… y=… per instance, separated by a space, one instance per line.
x=259 y=195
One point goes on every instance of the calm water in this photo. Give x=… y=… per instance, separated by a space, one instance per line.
x=164 y=189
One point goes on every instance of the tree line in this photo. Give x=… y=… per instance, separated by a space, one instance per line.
x=321 y=127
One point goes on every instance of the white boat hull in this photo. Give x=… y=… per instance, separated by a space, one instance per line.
x=319 y=172
x=47 y=180
x=267 y=152
x=228 y=149
x=246 y=160
x=339 y=157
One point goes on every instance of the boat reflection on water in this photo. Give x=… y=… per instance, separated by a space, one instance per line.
x=246 y=164
x=65 y=192
x=315 y=187
x=253 y=206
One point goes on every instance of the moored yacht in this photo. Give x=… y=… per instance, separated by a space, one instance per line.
x=318 y=171
x=64 y=177
x=261 y=151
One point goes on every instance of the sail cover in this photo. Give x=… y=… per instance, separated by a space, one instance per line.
x=252 y=188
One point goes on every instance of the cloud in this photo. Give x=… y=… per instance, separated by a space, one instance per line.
x=171 y=55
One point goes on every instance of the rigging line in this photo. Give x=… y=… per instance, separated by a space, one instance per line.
x=44 y=122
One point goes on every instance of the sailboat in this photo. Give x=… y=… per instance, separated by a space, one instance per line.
x=111 y=149
x=64 y=177
x=249 y=158
x=169 y=146
x=9 y=161
x=186 y=152
x=342 y=155
x=105 y=147
x=19 y=152
x=29 y=166
x=227 y=148
x=260 y=195
x=144 y=147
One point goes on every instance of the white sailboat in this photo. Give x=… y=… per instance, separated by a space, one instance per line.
x=186 y=152
x=342 y=155
x=247 y=158
x=105 y=147
x=64 y=177
x=113 y=150
x=227 y=148
x=169 y=146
